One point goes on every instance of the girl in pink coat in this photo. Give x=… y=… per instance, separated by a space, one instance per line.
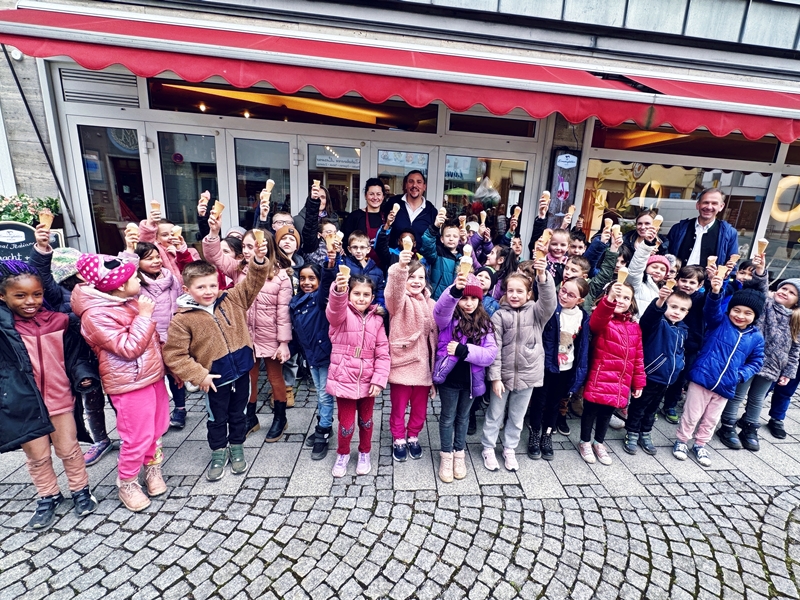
x=268 y=319
x=412 y=345
x=617 y=363
x=158 y=231
x=359 y=366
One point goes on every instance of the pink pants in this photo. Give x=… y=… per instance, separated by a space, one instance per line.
x=702 y=410
x=40 y=459
x=347 y=423
x=400 y=396
x=142 y=418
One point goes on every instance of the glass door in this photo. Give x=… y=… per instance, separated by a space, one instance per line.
x=392 y=162
x=107 y=157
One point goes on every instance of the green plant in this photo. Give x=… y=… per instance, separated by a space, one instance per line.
x=25 y=209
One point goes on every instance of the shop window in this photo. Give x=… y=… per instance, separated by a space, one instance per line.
x=665 y=140
x=257 y=161
x=492 y=125
x=301 y=107
x=783 y=231
x=793 y=156
x=622 y=190
x=474 y=184
x=338 y=168
x=394 y=165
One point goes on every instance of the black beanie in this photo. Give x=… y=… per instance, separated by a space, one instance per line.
x=491 y=273
x=752 y=299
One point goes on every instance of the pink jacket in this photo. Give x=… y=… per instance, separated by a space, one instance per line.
x=413 y=334
x=125 y=344
x=148 y=233
x=268 y=319
x=360 y=354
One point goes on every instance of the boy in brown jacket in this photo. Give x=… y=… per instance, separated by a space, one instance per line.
x=209 y=345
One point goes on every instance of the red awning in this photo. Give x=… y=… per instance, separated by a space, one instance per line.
x=291 y=62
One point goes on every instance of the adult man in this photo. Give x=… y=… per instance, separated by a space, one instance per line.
x=694 y=240
x=416 y=213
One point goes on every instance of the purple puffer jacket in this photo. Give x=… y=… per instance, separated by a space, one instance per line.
x=164 y=291
x=480 y=357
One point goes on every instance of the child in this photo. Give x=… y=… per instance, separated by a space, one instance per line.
x=617 y=364
x=359 y=364
x=576 y=267
x=577 y=243
x=268 y=320
x=315 y=247
x=158 y=231
x=616 y=256
x=122 y=333
x=733 y=351
x=209 y=345
x=566 y=347
x=412 y=343
x=311 y=332
x=779 y=324
x=465 y=348
x=504 y=262
x=389 y=256
x=360 y=263
x=646 y=273
x=45 y=362
x=663 y=337
x=518 y=367
x=288 y=240
x=488 y=280
x=441 y=253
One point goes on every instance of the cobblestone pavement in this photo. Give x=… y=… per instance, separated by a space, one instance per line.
x=645 y=527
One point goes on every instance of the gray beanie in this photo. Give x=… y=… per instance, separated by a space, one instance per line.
x=793 y=282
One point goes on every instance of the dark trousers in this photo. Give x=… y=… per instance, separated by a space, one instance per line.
x=178 y=393
x=226 y=413
x=781 y=398
x=642 y=410
x=93 y=411
x=595 y=416
x=546 y=400
x=673 y=394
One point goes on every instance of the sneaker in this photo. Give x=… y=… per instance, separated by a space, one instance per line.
x=616 y=423
x=630 y=443
x=534 y=444
x=45 y=512
x=547 y=446
x=400 y=451
x=585 y=448
x=340 y=468
x=701 y=455
x=459 y=464
x=414 y=449
x=178 y=418
x=561 y=425
x=216 y=468
x=446 y=467
x=97 y=451
x=238 y=463
x=671 y=415
x=510 y=460
x=776 y=429
x=131 y=495
x=680 y=450
x=601 y=453
x=364 y=466
x=489 y=459
x=646 y=443
x=154 y=480
x=84 y=502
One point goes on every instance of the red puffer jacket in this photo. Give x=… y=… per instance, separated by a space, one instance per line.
x=617 y=361
x=126 y=344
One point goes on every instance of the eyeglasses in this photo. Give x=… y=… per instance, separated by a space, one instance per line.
x=569 y=295
x=283 y=223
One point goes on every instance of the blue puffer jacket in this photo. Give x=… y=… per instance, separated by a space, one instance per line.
x=309 y=323
x=663 y=344
x=443 y=263
x=727 y=243
x=729 y=355
x=371 y=270
x=695 y=322
x=550 y=337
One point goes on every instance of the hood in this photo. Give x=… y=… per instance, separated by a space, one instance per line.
x=85 y=296
x=186 y=302
x=161 y=284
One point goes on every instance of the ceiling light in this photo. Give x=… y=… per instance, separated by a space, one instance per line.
x=202 y=107
x=247 y=114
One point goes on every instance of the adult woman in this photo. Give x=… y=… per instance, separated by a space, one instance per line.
x=643 y=231
x=325 y=212
x=368 y=219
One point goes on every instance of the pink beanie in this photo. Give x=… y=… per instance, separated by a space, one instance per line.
x=658 y=258
x=93 y=271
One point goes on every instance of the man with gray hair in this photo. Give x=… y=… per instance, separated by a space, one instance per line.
x=694 y=240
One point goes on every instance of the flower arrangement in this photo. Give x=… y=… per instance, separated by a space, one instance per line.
x=25 y=209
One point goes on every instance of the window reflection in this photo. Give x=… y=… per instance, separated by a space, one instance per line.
x=257 y=161
x=783 y=231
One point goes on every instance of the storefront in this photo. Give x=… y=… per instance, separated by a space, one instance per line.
x=144 y=108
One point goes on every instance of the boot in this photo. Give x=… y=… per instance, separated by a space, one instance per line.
x=311 y=439
x=131 y=495
x=547 y=445
x=154 y=480
x=727 y=435
x=646 y=443
x=630 y=443
x=322 y=434
x=289 y=397
x=534 y=448
x=251 y=423
x=749 y=436
x=279 y=423
x=459 y=464
x=446 y=467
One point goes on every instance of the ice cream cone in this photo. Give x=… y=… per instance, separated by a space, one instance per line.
x=539 y=254
x=46 y=218
x=259 y=235
x=735 y=258
x=217 y=210
x=468 y=250
x=407 y=244
x=395 y=209
x=315 y=183
x=442 y=211
x=270 y=185
x=517 y=212
x=344 y=270
x=483 y=217
x=264 y=198
x=329 y=241
x=462 y=221
x=571 y=210
x=712 y=261
x=466 y=265
x=204 y=198
x=622 y=274
x=155 y=207
x=546 y=195
x=670 y=284
x=338 y=236
x=762 y=245
x=132 y=227
x=615 y=229
x=722 y=271
x=546 y=235
x=607 y=223
x=657 y=221
x=176 y=231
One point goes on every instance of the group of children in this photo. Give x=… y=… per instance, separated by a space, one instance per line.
x=466 y=319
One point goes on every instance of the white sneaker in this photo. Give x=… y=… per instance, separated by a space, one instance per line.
x=680 y=450
x=616 y=422
x=587 y=454
x=340 y=468
x=489 y=459
x=601 y=453
x=363 y=467
x=510 y=458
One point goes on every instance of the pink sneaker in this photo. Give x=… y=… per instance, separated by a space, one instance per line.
x=602 y=454
x=364 y=466
x=587 y=454
x=340 y=468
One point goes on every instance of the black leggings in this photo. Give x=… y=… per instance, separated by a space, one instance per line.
x=545 y=401
x=597 y=416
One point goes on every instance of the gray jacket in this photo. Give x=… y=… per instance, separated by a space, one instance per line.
x=519 y=363
x=781 y=353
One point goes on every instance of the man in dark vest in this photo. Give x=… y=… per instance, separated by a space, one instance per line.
x=694 y=240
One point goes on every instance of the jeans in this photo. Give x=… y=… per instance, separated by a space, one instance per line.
x=642 y=410
x=597 y=416
x=454 y=420
x=289 y=369
x=781 y=398
x=324 y=399
x=755 y=390
x=517 y=402
x=178 y=393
